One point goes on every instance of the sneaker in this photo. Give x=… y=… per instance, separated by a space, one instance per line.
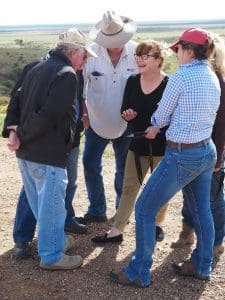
x=22 y=250
x=69 y=244
x=65 y=263
x=76 y=227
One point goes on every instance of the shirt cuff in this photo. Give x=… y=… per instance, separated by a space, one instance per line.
x=153 y=121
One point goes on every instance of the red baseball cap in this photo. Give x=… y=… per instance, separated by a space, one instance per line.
x=193 y=35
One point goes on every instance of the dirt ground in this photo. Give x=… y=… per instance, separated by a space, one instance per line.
x=24 y=280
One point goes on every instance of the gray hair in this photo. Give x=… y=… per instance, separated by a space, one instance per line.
x=67 y=48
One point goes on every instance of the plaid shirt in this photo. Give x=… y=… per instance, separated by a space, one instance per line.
x=189 y=103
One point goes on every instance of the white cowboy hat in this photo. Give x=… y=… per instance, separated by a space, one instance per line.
x=74 y=36
x=113 y=31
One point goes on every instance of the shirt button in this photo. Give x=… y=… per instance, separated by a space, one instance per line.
x=114 y=81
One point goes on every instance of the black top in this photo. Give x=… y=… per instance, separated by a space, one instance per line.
x=144 y=105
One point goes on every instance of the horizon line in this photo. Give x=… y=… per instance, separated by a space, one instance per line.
x=138 y=22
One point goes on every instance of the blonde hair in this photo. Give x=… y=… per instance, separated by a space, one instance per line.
x=218 y=55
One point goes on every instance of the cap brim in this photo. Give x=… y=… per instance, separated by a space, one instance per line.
x=174 y=46
x=90 y=52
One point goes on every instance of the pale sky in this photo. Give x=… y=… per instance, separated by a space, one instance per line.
x=17 y=12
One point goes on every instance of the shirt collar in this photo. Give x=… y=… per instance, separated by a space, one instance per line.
x=195 y=62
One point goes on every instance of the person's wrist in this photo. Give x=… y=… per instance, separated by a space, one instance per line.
x=12 y=130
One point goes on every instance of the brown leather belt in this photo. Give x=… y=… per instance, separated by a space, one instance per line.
x=186 y=146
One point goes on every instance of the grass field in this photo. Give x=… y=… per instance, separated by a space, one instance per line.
x=17 y=48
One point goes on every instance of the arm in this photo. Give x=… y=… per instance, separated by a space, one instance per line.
x=218 y=134
x=58 y=102
x=85 y=118
x=168 y=103
x=127 y=112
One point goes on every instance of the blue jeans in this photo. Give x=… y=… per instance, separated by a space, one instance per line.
x=191 y=168
x=217 y=203
x=25 y=222
x=45 y=188
x=92 y=160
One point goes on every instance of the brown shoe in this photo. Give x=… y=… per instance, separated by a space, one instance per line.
x=65 y=263
x=121 y=278
x=217 y=252
x=186 y=238
x=69 y=244
x=188 y=269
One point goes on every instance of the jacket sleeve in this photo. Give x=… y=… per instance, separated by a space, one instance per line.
x=59 y=102
x=12 y=115
x=13 y=111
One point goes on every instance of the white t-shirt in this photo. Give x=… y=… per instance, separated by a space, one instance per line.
x=105 y=87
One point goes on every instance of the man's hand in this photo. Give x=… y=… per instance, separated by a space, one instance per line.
x=129 y=114
x=13 y=140
x=151 y=132
x=85 y=121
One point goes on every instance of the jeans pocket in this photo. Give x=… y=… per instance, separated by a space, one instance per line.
x=188 y=170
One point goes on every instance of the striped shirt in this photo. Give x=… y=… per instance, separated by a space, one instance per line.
x=189 y=103
x=105 y=87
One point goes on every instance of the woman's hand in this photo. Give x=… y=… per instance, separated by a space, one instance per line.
x=129 y=114
x=151 y=132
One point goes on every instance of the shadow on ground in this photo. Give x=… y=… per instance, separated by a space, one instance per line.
x=23 y=279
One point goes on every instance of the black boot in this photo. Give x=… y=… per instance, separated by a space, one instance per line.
x=76 y=227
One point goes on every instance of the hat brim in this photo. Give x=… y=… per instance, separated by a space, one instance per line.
x=90 y=52
x=116 y=40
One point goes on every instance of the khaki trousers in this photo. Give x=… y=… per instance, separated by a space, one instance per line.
x=131 y=188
